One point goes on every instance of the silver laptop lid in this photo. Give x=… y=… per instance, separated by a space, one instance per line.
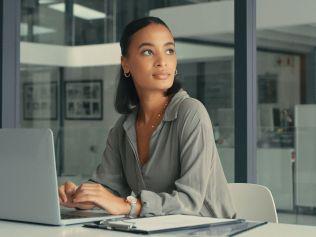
x=28 y=180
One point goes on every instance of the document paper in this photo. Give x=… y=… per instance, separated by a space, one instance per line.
x=171 y=222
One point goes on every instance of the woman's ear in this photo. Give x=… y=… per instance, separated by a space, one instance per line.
x=124 y=65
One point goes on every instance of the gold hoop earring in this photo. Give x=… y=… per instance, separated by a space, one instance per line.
x=127 y=74
x=176 y=72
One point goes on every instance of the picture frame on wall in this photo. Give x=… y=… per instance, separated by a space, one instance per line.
x=84 y=100
x=267 y=88
x=40 y=101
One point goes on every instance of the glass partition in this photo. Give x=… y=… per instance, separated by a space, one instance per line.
x=286 y=161
x=70 y=59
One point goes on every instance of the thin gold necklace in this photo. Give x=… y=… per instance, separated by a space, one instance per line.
x=158 y=118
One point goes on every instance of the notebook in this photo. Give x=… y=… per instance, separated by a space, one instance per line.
x=28 y=180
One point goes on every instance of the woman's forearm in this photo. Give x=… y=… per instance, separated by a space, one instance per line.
x=125 y=207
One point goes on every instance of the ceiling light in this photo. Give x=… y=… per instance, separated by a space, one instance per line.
x=46 y=1
x=80 y=11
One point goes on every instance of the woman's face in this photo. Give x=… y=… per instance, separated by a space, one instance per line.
x=151 y=58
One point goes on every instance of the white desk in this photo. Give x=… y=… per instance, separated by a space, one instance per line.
x=14 y=229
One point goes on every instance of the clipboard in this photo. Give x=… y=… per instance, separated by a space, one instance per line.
x=159 y=224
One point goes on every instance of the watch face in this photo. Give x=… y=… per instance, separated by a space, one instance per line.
x=131 y=199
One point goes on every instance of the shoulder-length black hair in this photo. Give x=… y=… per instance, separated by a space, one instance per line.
x=126 y=96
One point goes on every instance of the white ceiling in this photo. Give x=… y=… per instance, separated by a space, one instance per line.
x=288 y=25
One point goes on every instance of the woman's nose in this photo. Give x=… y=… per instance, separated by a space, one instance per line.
x=160 y=61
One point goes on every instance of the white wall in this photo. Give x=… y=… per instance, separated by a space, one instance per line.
x=287 y=68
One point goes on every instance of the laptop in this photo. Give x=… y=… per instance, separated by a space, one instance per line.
x=28 y=180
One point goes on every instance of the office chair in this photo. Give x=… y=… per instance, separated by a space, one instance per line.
x=253 y=202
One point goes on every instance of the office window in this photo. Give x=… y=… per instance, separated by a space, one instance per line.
x=286 y=161
x=71 y=89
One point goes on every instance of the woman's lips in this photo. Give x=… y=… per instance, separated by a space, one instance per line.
x=161 y=76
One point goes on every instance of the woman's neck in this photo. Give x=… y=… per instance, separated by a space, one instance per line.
x=151 y=104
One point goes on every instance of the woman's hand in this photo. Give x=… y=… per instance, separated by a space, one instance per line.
x=66 y=194
x=98 y=195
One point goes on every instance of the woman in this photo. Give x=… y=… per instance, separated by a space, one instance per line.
x=160 y=156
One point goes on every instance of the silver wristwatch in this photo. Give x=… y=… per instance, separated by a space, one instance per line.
x=132 y=201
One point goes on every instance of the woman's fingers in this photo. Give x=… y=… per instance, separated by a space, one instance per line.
x=92 y=187
x=97 y=195
x=86 y=197
x=62 y=194
x=66 y=191
x=81 y=205
x=69 y=204
x=89 y=193
x=85 y=206
x=92 y=192
x=70 y=188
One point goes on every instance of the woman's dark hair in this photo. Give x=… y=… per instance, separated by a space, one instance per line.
x=126 y=95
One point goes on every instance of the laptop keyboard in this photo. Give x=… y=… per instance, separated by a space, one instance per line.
x=75 y=214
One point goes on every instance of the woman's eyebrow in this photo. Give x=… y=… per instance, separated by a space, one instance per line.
x=169 y=43
x=150 y=44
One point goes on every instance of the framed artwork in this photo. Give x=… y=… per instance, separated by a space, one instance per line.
x=84 y=100
x=40 y=101
x=267 y=88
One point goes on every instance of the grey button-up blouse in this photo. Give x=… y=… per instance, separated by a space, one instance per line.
x=183 y=174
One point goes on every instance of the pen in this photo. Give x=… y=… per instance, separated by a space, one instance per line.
x=120 y=226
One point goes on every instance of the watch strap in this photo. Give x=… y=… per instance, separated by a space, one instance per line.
x=132 y=213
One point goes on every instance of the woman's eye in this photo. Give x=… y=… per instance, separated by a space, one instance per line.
x=147 y=52
x=170 y=51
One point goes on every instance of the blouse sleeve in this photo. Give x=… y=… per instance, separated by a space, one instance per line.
x=199 y=164
x=110 y=171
